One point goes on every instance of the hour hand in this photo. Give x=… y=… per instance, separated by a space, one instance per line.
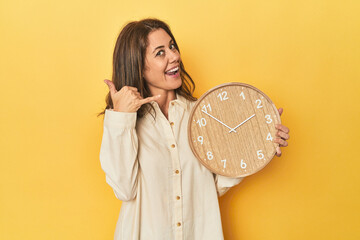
x=231 y=129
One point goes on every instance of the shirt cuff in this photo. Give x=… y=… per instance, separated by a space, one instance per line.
x=120 y=119
x=228 y=182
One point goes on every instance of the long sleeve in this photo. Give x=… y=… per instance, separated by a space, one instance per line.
x=148 y=161
x=223 y=184
x=118 y=153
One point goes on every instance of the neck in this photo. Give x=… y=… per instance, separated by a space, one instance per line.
x=164 y=100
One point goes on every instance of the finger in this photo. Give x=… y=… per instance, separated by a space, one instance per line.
x=280 y=111
x=278 y=152
x=134 y=94
x=111 y=86
x=283 y=135
x=149 y=99
x=282 y=128
x=130 y=88
x=281 y=142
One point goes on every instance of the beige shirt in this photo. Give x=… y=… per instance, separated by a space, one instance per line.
x=166 y=193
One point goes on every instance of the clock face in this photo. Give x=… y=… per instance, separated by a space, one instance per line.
x=231 y=129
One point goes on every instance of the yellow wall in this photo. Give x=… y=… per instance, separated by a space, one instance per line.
x=304 y=54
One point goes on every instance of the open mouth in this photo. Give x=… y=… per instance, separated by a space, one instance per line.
x=173 y=71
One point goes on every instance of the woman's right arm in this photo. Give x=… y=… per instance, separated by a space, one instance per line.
x=118 y=153
x=119 y=146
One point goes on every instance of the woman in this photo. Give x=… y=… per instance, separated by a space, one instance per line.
x=166 y=192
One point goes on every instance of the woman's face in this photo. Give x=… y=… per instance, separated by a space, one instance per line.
x=162 y=63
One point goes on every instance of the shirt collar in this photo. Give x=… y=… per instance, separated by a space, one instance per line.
x=180 y=100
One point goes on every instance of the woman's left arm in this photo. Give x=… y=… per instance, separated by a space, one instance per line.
x=223 y=184
x=282 y=135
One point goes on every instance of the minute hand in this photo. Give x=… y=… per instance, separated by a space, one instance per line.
x=231 y=129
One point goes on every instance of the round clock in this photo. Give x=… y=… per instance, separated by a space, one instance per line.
x=231 y=129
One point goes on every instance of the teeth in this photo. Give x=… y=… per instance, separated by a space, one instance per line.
x=173 y=70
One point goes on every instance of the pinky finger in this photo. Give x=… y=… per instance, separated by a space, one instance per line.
x=149 y=99
x=278 y=151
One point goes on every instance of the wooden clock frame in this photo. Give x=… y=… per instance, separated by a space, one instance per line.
x=231 y=129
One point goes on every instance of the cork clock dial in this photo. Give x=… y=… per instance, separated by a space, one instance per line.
x=231 y=129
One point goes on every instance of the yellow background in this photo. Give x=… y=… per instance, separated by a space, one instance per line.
x=304 y=54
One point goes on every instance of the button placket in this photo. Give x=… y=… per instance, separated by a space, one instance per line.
x=177 y=191
x=171 y=115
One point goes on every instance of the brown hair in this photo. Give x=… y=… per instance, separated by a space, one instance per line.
x=129 y=62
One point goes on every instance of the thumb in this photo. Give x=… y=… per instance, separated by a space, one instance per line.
x=111 y=86
x=280 y=111
x=149 y=99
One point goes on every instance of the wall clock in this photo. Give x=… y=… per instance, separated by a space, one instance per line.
x=231 y=129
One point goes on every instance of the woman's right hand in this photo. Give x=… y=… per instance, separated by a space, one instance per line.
x=128 y=99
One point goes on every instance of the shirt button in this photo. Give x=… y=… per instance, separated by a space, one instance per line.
x=177 y=171
x=172 y=103
x=172 y=123
x=172 y=145
x=178 y=197
x=179 y=224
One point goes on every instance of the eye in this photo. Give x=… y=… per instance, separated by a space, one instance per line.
x=172 y=46
x=159 y=53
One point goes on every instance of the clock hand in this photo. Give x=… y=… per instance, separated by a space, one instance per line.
x=218 y=121
x=233 y=129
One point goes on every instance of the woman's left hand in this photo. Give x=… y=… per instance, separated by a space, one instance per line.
x=281 y=135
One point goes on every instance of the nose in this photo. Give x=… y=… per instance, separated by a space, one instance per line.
x=174 y=56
